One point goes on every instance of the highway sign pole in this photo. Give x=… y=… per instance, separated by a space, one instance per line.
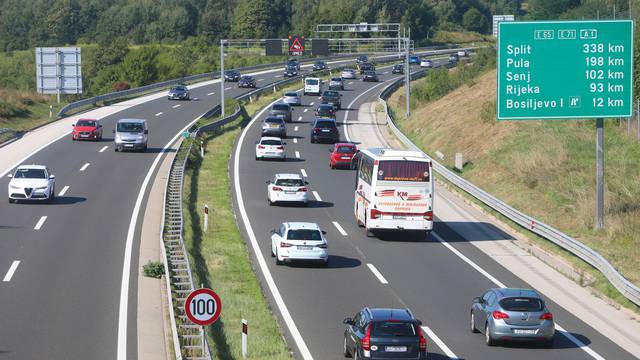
x=599 y=173
x=407 y=78
x=221 y=78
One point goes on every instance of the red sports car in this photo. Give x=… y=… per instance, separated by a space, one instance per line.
x=342 y=155
x=87 y=129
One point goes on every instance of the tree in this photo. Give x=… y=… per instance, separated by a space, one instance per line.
x=139 y=66
x=473 y=20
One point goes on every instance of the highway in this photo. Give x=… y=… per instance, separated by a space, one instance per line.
x=435 y=280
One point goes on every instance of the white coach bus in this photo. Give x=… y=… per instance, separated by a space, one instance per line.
x=394 y=190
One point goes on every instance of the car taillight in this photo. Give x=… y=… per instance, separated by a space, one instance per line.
x=375 y=213
x=260 y=146
x=277 y=188
x=366 y=340
x=422 y=341
x=322 y=246
x=285 y=245
x=428 y=215
x=546 y=316
x=499 y=315
x=316 y=130
x=302 y=189
x=280 y=147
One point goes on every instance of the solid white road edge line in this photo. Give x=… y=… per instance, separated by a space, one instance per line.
x=340 y=229
x=377 y=274
x=40 y=223
x=103 y=148
x=439 y=342
x=63 y=191
x=295 y=333
x=304 y=173
x=12 y=270
x=568 y=335
x=316 y=195
x=126 y=266
x=85 y=166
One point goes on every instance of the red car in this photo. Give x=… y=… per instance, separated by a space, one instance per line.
x=87 y=129
x=342 y=155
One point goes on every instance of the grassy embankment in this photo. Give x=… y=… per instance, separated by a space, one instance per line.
x=544 y=168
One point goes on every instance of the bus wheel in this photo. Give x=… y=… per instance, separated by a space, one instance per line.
x=360 y=224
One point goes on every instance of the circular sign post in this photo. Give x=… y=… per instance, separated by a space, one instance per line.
x=203 y=307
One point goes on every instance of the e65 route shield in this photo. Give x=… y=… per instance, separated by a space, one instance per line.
x=203 y=307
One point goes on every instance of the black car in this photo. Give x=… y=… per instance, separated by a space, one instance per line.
x=319 y=65
x=281 y=109
x=247 y=81
x=398 y=69
x=324 y=130
x=232 y=75
x=325 y=110
x=178 y=92
x=366 y=67
x=332 y=97
x=362 y=59
x=453 y=58
x=294 y=62
x=290 y=71
x=384 y=334
x=370 y=76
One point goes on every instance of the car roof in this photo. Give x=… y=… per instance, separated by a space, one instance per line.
x=302 y=225
x=381 y=314
x=138 y=121
x=288 y=176
x=512 y=292
x=270 y=138
x=32 y=166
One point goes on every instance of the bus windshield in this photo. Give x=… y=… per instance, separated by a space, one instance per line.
x=401 y=170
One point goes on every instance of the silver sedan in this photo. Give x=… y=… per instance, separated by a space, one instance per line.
x=348 y=74
x=292 y=98
x=512 y=314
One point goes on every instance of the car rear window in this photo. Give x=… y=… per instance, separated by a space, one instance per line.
x=291 y=94
x=280 y=107
x=330 y=93
x=311 y=82
x=274 y=120
x=271 y=142
x=325 y=107
x=325 y=124
x=393 y=328
x=522 y=304
x=346 y=150
x=304 y=234
x=336 y=79
x=290 y=182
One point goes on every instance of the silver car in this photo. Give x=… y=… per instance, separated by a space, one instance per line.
x=336 y=83
x=348 y=74
x=274 y=126
x=131 y=134
x=292 y=98
x=512 y=314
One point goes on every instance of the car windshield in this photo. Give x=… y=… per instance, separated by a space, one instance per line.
x=232 y=72
x=402 y=170
x=86 y=123
x=369 y=73
x=325 y=108
x=30 y=174
x=522 y=304
x=393 y=328
x=274 y=120
x=271 y=142
x=291 y=94
x=345 y=150
x=348 y=70
x=130 y=127
x=319 y=63
x=311 y=82
x=304 y=234
x=336 y=79
x=290 y=182
x=325 y=124
x=178 y=88
x=247 y=78
x=280 y=107
x=330 y=94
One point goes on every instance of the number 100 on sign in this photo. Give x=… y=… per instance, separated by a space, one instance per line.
x=565 y=69
x=203 y=307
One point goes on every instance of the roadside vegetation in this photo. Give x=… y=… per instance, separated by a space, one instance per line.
x=544 y=168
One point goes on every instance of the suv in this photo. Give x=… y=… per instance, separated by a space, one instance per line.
x=131 y=134
x=274 y=126
x=281 y=109
x=332 y=97
x=336 y=83
x=398 y=69
x=453 y=58
x=324 y=129
x=325 y=110
x=384 y=334
x=366 y=67
x=247 y=81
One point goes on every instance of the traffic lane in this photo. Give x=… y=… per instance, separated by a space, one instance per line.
x=318 y=299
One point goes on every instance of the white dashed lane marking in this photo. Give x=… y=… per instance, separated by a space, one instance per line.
x=84 y=167
x=295 y=128
x=103 y=148
x=295 y=140
x=63 y=191
x=158 y=114
x=176 y=106
x=316 y=195
x=211 y=93
x=297 y=154
x=305 y=110
x=40 y=223
x=299 y=118
x=12 y=270
x=304 y=173
x=377 y=274
x=340 y=229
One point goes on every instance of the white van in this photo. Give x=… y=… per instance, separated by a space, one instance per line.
x=312 y=86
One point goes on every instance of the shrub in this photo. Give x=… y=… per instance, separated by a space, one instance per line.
x=121 y=85
x=154 y=269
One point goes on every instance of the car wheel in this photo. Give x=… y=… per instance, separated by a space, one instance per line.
x=345 y=350
x=269 y=201
x=367 y=231
x=487 y=336
x=272 y=253
x=11 y=201
x=548 y=343
x=473 y=324
x=278 y=262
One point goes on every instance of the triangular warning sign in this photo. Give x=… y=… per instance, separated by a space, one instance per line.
x=296 y=46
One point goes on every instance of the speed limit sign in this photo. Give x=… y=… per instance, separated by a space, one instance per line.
x=203 y=307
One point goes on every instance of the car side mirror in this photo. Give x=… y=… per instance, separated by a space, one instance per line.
x=100 y=125
x=146 y=132
x=324 y=232
x=113 y=131
x=10 y=175
x=268 y=182
x=419 y=322
x=52 y=177
x=477 y=300
x=348 y=321
x=73 y=125
x=306 y=183
x=284 y=143
x=273 y=231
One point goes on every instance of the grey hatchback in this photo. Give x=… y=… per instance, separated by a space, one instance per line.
x=512 y=314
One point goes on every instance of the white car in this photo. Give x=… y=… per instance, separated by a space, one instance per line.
x=32 y=182
x=425 y=63
x=299 y=241
x=270 y=148
x=287 y=188
x=312 y=86
x=462 y=53
x=348 y=74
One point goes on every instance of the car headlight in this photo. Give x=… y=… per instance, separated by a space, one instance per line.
x=14 y=187
x=41 y=188
x=139 y=137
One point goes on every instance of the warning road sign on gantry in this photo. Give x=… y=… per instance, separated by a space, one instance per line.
x=296 y=45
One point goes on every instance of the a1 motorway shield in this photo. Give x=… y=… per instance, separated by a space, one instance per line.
x=565 y=69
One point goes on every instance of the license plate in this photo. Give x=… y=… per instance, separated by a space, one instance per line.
x=326 y=131
x=84 y=136
x=289 y=192
x=128 y=145
x=399 y=217
x=395 y=348
x=274 y=126
x=524 y=331
x=345 y=158
x=304 y=247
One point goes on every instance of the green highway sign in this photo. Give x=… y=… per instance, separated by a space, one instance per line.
x=565 y=69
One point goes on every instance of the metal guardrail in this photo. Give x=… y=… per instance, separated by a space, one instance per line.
x=626 y=288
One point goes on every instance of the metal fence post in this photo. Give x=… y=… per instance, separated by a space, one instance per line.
x=245 y=333
x=206 y=217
